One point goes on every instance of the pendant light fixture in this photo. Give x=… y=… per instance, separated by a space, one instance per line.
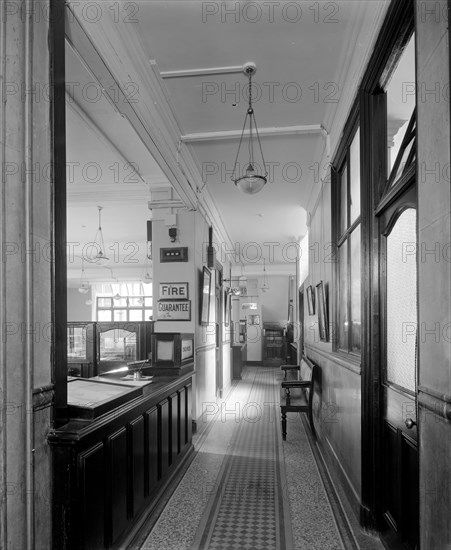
x=117 y=296
x=147 y=278
x=141 y=291
x=265 y=286
x=242 y=282
x=99 y=258
x=83 y=287
x=252 y=181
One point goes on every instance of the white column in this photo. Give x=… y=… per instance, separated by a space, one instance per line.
x=25 y=297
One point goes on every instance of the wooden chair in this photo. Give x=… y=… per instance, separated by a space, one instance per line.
x=296 y=391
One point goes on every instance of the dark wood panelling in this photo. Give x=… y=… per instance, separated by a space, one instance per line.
x=189 y=424
x=392 y=477
x=136 y=432
x=109 y=470
x=174 y=429
x=117 y=446
x=410 y=492
x=163 y=439
x=92 y=486
x=151 y=478
x=181 y=419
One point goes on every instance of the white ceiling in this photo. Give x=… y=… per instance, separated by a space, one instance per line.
x=308 y=67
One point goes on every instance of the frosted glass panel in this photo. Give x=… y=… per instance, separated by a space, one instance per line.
x=402 y=301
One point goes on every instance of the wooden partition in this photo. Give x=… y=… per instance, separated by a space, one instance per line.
x=108 y=471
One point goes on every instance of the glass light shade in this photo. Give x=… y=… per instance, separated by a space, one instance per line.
x=264 y=287
x=251 y=183
x=83 y=288
x=242 y=280
x=100 y=258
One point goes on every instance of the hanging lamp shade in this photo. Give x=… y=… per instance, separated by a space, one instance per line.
x=253 y=180
x=98 y=255
x=265 y=285
x=83 y=287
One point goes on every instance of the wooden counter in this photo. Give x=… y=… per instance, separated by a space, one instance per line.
x=109 y=468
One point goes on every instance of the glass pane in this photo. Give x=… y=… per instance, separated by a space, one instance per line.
x=104 y=302
x=117 y=345
x=147 y=289
x=148 y=315
x=120 y=302
x=135 y=301
x=402 y=301
x=135 y=315
x=355 y=290
x=354 y=199
x=343 y=200
x=148 y=302
x=104 y=315
x=343 y=297
x=405 y=157
x=76 y=343
x=400 y=101
x=120 y=315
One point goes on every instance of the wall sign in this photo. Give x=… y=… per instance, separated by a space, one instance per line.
x=187 y=349
x=173 y=291
x=174 y=310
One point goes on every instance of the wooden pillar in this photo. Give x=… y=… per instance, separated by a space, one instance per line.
x=434 y=271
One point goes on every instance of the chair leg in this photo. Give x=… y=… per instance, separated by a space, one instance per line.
x=284 y=425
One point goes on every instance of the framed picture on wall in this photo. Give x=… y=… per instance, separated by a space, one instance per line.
x=323 y=318
x=254 y=319
x=205 y=296
x=227 y=306
x=310 y=300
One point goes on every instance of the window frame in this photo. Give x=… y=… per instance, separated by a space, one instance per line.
x=127 y=307
x=343 y=237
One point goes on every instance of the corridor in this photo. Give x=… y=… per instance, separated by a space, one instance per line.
x=246 y=489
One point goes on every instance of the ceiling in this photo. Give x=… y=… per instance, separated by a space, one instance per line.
x=309 y=62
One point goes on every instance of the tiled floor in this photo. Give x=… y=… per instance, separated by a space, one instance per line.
x=245 y=489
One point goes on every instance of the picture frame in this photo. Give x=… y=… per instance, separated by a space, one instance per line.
x=254 y=319
x=310 y=300
x=227 y=307
x=205 y=296
x=323 y=318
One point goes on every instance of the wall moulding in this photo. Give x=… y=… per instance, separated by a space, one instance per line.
x=434 y=402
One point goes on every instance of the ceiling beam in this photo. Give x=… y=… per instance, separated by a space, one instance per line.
x=202 y=72
x=275 y=131
x=87 y=120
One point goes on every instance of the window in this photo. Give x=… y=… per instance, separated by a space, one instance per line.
x=114 y=303
x=401 y=117
x=348 y=239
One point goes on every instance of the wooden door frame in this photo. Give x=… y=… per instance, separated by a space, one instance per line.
x=396 y=30
x=57 y=43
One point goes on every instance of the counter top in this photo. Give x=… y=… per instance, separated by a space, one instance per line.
x=106 y=398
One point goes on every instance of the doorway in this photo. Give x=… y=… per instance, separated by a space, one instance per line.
x=398 y=376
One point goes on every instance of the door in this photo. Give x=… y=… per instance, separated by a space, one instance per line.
x=398 y=292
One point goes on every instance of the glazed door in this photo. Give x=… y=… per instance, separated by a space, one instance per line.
x=398 y=291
